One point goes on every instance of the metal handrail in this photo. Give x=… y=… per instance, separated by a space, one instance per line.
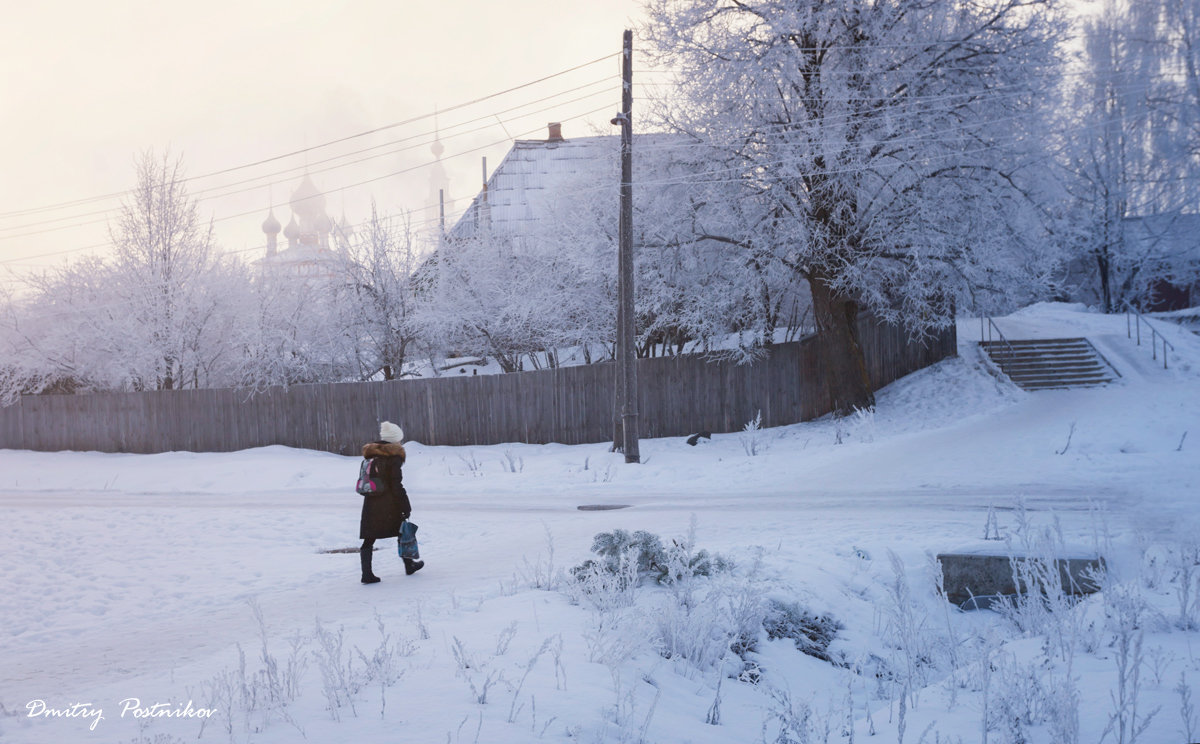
x=1130 y=326
x=991 y=325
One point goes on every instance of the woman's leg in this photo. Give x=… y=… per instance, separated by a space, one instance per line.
x=364 y=556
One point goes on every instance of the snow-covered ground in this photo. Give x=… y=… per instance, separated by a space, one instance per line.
x=208 y=578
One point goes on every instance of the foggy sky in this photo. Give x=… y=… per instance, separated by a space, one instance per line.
x=85 y=87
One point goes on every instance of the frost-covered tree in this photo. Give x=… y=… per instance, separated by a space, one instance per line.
x=883 y=150
x=54 y=335
x=162 y=248
x=1107 y=150
x=1173 y=26
x=71 y=332
x=479 y=298
x=691 y=291
x=380 y=260
x=289 y=332
x=1133 y=144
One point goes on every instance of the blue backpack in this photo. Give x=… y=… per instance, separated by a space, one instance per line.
x=370 y=481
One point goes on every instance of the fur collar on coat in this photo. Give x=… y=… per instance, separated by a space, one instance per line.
x=383 y=449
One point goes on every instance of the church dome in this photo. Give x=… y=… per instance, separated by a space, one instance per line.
x=271 y=225
x=308 y=203
x=292 y=231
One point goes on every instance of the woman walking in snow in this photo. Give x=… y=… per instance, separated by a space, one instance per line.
x=385 y=509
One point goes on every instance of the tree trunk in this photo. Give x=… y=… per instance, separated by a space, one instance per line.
x=1103 y=269
x=846 y=378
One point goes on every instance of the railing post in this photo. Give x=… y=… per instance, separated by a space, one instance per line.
x=1154 y=335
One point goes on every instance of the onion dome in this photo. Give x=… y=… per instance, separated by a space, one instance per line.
x=292 y=231
x=271 y=225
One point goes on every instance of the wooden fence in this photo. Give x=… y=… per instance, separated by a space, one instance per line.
x=570 y=405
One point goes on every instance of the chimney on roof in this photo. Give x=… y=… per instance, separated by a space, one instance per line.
x=555 y=132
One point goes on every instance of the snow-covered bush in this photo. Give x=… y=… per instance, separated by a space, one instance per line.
x=477 y=671
x=1023 y=695
x=382 y=667
x=339 y=681
x=907 y=629
x=1127 y=612
x=1047 y=596
x=864 y=423
x=811 y=633
x=751 y=436
x=540 y=573
x=790 y=720
x=644 y=550
x=618 y=548
x=1187 y=578
x=258 y=696
x=699 y=633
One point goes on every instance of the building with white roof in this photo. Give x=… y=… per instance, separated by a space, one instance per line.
x=540 y=180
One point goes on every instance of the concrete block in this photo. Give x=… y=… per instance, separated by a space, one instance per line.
x=974 y=574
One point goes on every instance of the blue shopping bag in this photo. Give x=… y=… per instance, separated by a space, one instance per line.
x=408 y=541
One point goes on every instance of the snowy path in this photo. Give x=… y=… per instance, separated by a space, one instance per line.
x=144 y=586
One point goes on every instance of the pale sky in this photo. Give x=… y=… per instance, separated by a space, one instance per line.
x=85 y=86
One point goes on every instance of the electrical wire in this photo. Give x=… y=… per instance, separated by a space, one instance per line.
x=307 y=169
x=345 y=186
x=441 y=133
x=329 y=143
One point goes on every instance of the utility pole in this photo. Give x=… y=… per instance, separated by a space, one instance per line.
x=442 y=211
x=627 y=390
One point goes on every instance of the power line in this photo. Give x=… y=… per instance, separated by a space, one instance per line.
x=345 y=186
x=440 y=133
x=223 y=192
x=118 y=194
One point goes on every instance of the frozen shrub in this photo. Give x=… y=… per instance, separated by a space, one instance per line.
x=603 y=588
x=789 y=720
x=811 y=633
x=1187 y=563
x=716 y=624
x=750 y=436
x=1127 y=610
x=1017 y=701
x=619 y=548
x=697 y=633
x=682 y=562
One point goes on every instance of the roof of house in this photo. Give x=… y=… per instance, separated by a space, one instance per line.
x=536 y=174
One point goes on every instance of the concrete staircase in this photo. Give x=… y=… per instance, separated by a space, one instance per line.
x=1051 y=364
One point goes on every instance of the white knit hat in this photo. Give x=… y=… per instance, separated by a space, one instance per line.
x=389 y=432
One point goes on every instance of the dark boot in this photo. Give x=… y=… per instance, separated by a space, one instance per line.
x=411 y=566
x=364 y=556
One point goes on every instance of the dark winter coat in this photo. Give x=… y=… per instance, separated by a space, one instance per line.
x=383 y=511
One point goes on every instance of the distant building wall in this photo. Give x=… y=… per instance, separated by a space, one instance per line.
x=571 y=405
